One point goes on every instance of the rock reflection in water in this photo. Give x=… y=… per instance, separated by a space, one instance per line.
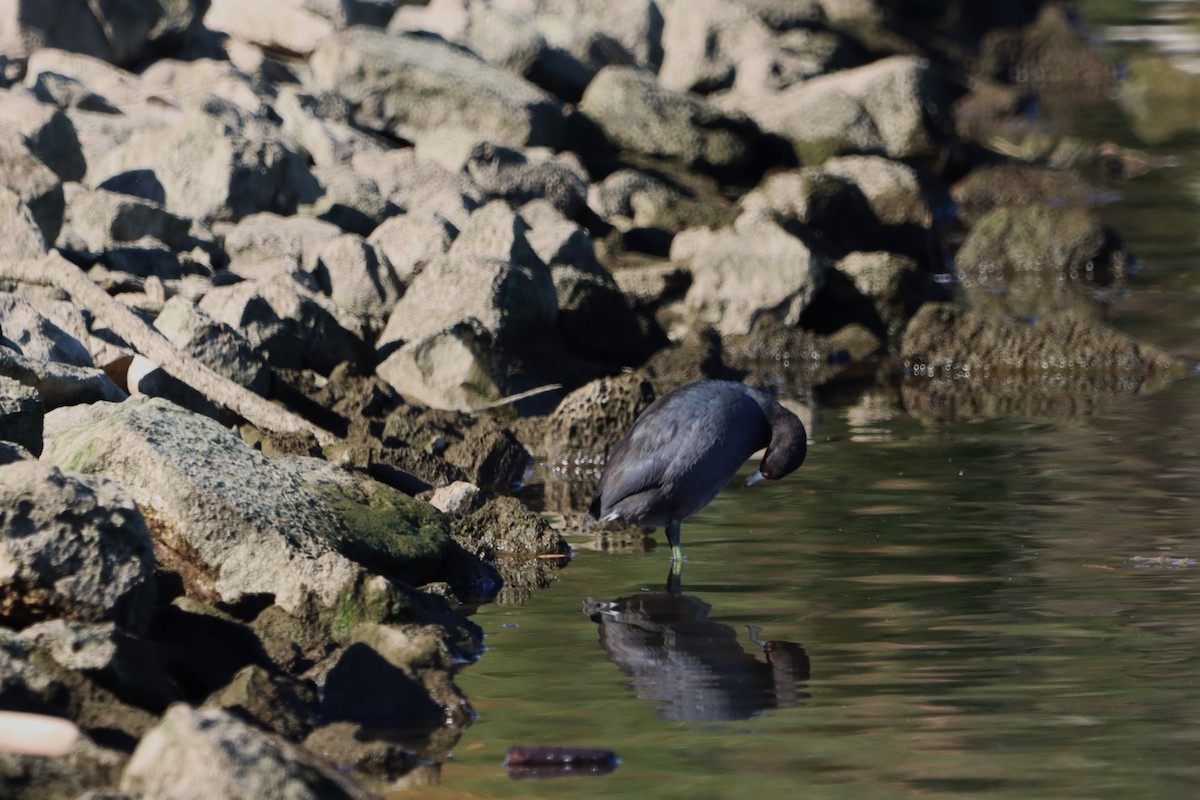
x=695 y=669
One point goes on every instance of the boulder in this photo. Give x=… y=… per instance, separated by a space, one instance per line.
x=21 y=412
x=266 y=243
x=73 y=546
x=119 y=33
x=403 y=85
x=409 y=241
x=739 y=274
x=290 y=26
x=288 y=326
x=213 y=752
x=24 y=175
x=892 y=189
x=893 y=283
x=507 y=174
x=455 y=369
x=636 y=113
x=419 y=186
x=710 y=45
x=20 y=234
x=238 y=164
x=235 y=524
x=877 y=109
x=46 y=131
x=491 y=275
x=593 y=418
x=359 y=278
x=60 y=384
x=37 y=337
x=351 y=200
x=320 y=126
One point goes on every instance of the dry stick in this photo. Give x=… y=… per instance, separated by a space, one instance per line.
x=149 y=342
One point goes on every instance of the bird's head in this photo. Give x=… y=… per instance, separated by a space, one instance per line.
x=786 y=451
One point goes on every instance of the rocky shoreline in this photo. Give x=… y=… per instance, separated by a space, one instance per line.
x=293 y=293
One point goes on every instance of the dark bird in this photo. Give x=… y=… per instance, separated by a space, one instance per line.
x=687 y=446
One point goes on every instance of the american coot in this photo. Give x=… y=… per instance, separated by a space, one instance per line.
x=686 y=446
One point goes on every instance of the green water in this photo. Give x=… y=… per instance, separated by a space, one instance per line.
x=1001 y=609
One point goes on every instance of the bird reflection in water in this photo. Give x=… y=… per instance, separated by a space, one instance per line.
x=695 y=668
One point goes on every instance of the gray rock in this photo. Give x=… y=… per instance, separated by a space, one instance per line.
x=20 y=235
x=46 y=131
x=421 y=186
x=289 y=26
x=352 y=200
x=230 y=759
x=409 y=241
x=125 y=664
x=892 y=189
x=214 y=343
x=453 y=369
x=236 y=524
x=97 y=218
x=491 y=274
x=876 y=109
x=118 y=87
x=739 y=274
x=237 y=164
x=26 y=176
x=784 y=15
x=893 y=283
x=118 y=33
x=405 y=84
x=73 y=546
x=504 y=173
x=266 y=243
x=66 y=92
x=38 y=337
x=320 y=126
x=715 y=44
x=288 y=326
x=21 y=412
x=359 y=278
x=638 y=114
x=11 y=452
x=279 y=703
x=60 y=384
x=457 y=499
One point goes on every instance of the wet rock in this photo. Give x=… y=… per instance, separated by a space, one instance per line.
x=21 y=412
x=238 y=164
x=636 y=113
x=592 y=419
x=118 y=34
x=201 y=485
x=944 y=338
x=751 y=270
x=995 y=186
x=59 y=384
x=74 y=547
x=511 y=538
x=1034 y=259
x=382 y=764
x=37 y=337
x=892 y=188
x=490 y=456
x=46 y=131
x=874 y=109
x=277 y=703
x=359 y=278
x=409 y=241
x=212 y=749
x=287 y=325
x=404 y=85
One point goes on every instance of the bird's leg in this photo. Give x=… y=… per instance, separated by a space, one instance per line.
x=673 y=538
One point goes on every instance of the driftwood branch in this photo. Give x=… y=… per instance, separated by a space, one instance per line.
x=149 y=342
